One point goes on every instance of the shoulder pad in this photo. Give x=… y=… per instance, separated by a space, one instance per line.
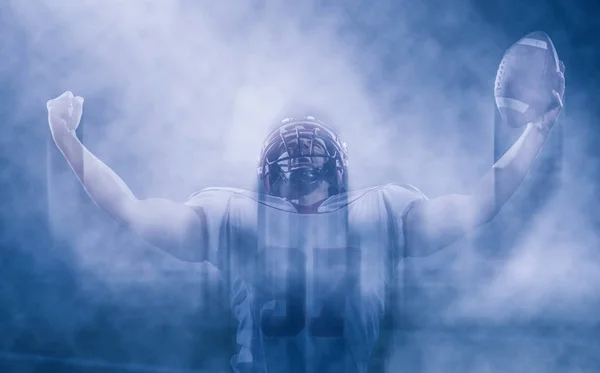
x=408 y=187
x=340 y=200
x=211 y=193
x=400 y=198
x=228 y=193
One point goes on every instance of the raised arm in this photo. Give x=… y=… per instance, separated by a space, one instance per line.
x=433 y=224
x=170 y=226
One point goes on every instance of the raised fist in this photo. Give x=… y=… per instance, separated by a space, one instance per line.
x=64 y=113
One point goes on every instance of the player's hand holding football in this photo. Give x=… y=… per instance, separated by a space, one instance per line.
x=64 y=114
x=549 y=118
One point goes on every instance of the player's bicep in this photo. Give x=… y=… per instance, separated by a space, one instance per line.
x=173 y=227
x=430 y=225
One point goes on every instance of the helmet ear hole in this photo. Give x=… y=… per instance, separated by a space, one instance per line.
x=340 y=175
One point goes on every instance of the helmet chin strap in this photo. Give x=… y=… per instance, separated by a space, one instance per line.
x=299 y=183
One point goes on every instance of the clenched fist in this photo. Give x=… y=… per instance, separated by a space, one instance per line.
x=64 y=114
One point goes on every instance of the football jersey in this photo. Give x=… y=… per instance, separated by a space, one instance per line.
x=307 y=290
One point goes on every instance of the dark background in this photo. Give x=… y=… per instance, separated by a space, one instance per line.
x=33 y=264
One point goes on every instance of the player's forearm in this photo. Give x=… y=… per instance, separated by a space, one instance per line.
x=508 y=173
x=101 y=183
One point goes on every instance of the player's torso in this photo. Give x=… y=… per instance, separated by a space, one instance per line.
x=307 y=290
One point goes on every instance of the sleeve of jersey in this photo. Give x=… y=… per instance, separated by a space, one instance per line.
x=399 y=200
x=211 y=206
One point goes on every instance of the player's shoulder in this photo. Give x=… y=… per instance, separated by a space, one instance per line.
x=391 y=190
x=395 y=193
x=405 y=190
x=212 y=194
x=344 y=199
x=238 y=197
x=400 y=198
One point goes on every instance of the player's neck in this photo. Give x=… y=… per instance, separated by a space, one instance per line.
x=310 y=205
x=311 y=199
x=318 y=195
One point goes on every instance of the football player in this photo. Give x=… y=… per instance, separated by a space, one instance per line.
x=307 y=260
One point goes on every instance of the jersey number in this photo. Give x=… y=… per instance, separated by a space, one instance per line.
x=330 y=322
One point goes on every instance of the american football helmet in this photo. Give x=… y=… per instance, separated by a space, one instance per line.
x=298 y=155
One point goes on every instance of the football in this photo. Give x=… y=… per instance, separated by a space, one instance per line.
x=526 y=78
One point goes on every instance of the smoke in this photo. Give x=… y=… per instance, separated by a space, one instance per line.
x=179 y=95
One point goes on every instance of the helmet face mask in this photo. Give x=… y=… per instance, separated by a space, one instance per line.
x=299 y=156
